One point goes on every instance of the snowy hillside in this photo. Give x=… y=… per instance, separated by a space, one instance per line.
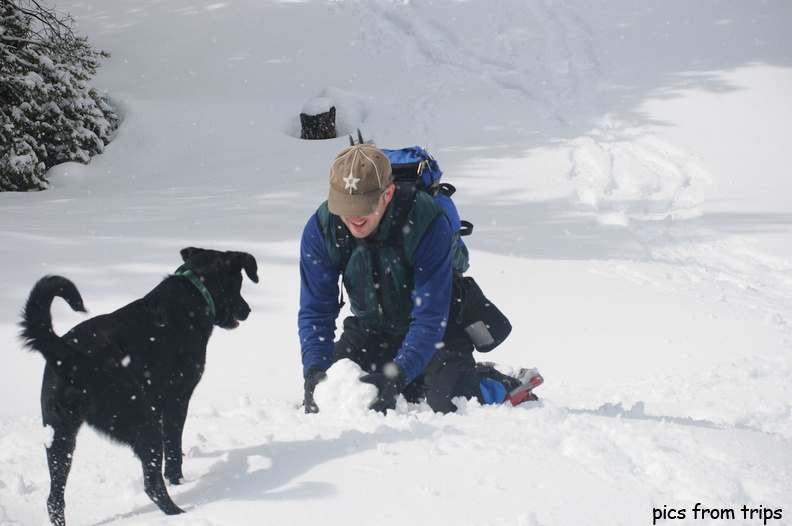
x=626 y=166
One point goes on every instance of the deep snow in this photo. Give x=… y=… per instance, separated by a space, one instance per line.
x=626 y=168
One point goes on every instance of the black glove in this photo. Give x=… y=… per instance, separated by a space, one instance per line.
x=389 y=384
x=313 y=376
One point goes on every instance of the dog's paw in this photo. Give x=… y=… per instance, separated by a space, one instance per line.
x=176 y=480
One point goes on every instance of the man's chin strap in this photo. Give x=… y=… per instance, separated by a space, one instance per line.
x=195 y=280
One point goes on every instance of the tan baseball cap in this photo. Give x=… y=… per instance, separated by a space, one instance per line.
x=358 y=177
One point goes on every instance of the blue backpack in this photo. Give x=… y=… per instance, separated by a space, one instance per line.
x=413 y=166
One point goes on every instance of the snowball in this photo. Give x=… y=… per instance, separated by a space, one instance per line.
x=342 y=394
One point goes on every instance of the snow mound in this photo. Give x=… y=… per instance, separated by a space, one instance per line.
x=351 y=110
x=342 y=394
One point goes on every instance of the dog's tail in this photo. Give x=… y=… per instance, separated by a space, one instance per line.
x=37 y=332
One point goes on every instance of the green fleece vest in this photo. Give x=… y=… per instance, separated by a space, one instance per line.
x=388 y=305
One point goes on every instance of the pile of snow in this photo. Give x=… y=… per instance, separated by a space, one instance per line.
x=342 y=395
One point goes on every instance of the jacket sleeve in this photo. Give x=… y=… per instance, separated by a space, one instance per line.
x=433 y=273
x=319 y=306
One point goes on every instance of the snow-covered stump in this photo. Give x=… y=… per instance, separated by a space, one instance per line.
x=318 y=119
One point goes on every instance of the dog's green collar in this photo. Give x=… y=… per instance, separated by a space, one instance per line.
x=195 y=280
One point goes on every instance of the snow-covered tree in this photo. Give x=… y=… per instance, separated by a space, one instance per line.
x=49 y=114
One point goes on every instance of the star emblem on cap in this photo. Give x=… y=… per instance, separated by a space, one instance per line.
x=351 y=182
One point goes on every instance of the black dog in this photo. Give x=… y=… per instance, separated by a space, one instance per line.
x=130 y=374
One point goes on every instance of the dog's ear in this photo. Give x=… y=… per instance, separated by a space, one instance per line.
x=189 y=252
x=243 y=260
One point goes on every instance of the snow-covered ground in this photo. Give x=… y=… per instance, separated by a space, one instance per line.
x=626 y=166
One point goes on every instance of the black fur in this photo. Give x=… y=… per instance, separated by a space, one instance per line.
x=130 y=374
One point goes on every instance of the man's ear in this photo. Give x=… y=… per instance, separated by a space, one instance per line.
x=388 y=193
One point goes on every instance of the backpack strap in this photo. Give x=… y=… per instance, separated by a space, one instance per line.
x=447 y=189
x=404 y=198
x=344 y=240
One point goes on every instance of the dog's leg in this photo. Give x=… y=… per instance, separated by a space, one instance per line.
x=59 y=459
x=150 y=454
x=174 y=414
x=63 y=410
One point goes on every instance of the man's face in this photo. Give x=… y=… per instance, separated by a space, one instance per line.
x=364 y=226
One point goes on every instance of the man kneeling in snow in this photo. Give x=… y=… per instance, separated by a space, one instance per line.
x=399 y=288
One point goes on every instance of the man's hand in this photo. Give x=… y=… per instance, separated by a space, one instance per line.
x=389 y=385
x=313 y=376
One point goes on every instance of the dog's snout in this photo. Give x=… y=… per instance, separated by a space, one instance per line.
x=242 y=310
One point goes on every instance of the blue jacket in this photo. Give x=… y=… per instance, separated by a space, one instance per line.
x=428 y=274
